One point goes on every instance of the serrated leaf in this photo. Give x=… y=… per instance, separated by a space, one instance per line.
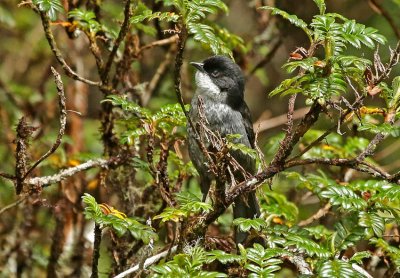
x=50 y=7
x=344 y=197
x=336 y=268
x=359 y=256
x=246 y=224
x=222 y=256
x=293 y=19
x=307 y=245
x=171 y=214
x=321 y=5
x=373 y=221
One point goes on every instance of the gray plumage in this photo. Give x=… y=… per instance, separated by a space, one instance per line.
x=220 y=85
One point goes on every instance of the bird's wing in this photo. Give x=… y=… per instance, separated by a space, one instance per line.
x=248 y=124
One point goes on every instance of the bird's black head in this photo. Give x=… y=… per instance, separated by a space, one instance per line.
x=223 y=73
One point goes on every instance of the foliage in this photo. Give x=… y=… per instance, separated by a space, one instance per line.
x=108 y=216
x=50 y=7
x=325 y=78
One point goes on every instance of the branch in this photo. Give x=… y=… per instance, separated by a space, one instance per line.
x=182 y=36
x=342 y=119
x=24 y=132
x=96 y=250
x=148 y=262
x=393 y=60
x=63 y=121
x=291 y=139
x=263 y=125
x=302 y=266
x=267 y=58
x=7 y=176
x=319 y=214
x=122 y=33
x=63 y=174
x=360 y=166
x=157 y=76
x=380 y=10
x=170 y=40
x=16 y=203
x=53 y=45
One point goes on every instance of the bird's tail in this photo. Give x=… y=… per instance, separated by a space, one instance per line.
x=247 y=207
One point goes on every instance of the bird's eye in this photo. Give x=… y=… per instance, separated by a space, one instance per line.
x=215 y=73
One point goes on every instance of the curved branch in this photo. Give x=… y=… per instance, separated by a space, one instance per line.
x=53 y=45
x=63 y=174
x=148 y=262
x=63 y=121
x=122 y=33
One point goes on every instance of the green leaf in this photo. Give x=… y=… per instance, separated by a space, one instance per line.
x=344 y=197
x=277 y=205
x=321 y=5
x=357 y=34
x=142 y=13
x=372 y=221
x=50 y=7
x=92 y=210
x=190 y=203
x=307 y=245
x=319 y=231
x=384 y=128
x=293 y=19
x=119 y=222
x=347 y=233
x=128 y=106
x=86 y=19
x=391 y=251
x=245 y=224
x=262 y=262
x=336 y=268
x=359 y=256
x=171 y=214
x=222 y=256
x=205 y=34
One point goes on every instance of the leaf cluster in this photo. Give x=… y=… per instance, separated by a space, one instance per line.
x=107 y=216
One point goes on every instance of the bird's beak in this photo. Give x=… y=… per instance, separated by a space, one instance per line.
x=198 y=66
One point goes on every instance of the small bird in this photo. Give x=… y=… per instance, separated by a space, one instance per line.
x=220 y=86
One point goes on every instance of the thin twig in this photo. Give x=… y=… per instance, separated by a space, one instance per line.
x=380 y=10
x=63 y=121
x=264 y=125
x=177 y=72
x=53 y=45
x=393 y=60
x=148 y=262
x=122 y=33
x=7 y=176
x=342 y=119
x=16 y=203
x=267 y=57
x=94 y=48
x=170 y=40
x=157 y=76
x=319 y=214
x=63 y=174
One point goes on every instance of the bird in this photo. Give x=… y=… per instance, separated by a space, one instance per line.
x=220 y=90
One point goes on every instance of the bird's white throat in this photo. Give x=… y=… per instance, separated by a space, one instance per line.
x=205 y=85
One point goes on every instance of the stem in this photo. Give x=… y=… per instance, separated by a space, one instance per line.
x=96 y=250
